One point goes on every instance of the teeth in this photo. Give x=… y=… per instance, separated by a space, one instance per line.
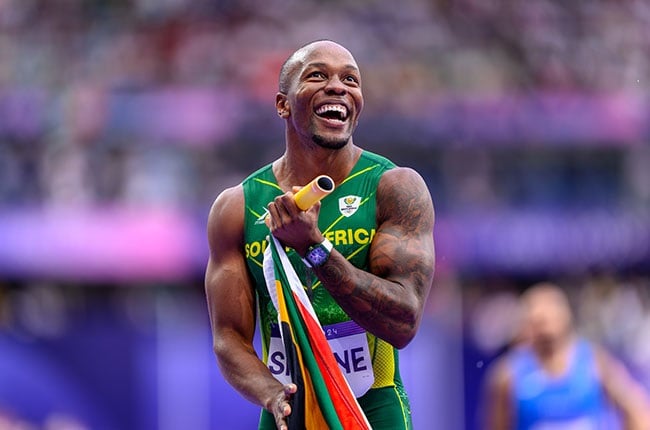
x=333 y=108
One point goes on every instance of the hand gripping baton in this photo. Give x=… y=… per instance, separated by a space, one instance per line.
x=311 y=193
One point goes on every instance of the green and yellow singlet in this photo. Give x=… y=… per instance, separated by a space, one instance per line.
x=348 y=219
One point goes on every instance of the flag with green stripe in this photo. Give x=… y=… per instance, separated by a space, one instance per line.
x=324 y=398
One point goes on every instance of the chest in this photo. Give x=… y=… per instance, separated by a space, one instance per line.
x=347 y=218
x=540 y=396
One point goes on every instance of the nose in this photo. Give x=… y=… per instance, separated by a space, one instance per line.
x=335 y=86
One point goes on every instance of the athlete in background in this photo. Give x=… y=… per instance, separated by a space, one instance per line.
x=374 y=232
x=556 y=380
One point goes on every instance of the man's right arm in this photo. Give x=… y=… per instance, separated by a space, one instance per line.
x=231 y=305
x=497 y=413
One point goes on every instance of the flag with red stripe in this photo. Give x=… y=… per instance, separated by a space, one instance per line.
x=324 y=398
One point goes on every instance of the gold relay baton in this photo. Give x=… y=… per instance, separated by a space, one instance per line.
x=311 y=193
x=314 y=191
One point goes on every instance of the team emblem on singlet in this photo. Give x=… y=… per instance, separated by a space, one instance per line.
x=348 y=205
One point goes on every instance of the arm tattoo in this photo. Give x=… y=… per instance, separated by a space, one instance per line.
x=388 y=300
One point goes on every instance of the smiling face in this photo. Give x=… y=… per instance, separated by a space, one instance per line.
x=322 y=99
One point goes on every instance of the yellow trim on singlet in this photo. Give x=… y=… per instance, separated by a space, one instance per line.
x=256 y=262
x=360 y=172
x=403 y=407
x=358 y=250
x=269 y=183
x=250 y=209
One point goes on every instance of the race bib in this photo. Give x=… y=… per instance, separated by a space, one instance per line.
x=349 y=344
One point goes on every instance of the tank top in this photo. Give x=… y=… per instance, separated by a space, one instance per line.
x=572 y=401
x=348 y=219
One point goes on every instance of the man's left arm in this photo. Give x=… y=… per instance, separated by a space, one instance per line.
x=628 y=396
x=389 y=299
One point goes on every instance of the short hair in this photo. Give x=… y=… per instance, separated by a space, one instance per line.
x=559 y=293
x=289 y=65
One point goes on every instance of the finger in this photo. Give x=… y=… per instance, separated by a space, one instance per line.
x=284 y=410
x=272 y=217
x=315 y=208
x=289 y=204
x=284 y=406
x=281 y=204
x=281 y=424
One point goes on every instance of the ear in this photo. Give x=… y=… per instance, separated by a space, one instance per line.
x=282 y=105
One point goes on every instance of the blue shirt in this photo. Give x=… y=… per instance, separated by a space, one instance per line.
x=573 y=400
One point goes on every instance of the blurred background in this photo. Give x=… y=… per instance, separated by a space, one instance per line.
x=122 y=120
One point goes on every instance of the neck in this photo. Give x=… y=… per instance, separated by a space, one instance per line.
x=301 y=163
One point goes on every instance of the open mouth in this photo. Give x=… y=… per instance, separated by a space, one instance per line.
x=333 y=112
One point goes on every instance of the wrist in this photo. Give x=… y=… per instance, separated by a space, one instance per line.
x=318 y=253
x=313 y=240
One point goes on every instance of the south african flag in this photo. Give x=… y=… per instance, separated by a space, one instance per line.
x=324 y=398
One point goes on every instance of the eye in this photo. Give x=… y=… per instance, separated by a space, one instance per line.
x=317 y=75
x=351 y=79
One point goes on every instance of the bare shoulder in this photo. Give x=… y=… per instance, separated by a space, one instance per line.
x=403 y=197
x=606 y=363
x=610 y=368
x=498 y=376
x=226 y=218
x=228 y=201
x=602 y=356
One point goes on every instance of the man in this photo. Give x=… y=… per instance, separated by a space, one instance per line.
x=556 y=380
x=374 y=232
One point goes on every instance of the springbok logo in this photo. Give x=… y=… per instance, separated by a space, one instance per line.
x=348 y=205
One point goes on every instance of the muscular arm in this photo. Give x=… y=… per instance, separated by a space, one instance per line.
x=231 y=305
x=627 y=395
x=388 y=300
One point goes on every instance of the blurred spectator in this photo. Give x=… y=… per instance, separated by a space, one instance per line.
x=554 y=378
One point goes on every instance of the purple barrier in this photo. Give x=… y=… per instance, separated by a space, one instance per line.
x=200 y=116
x=104 y=244
x=147 y=244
